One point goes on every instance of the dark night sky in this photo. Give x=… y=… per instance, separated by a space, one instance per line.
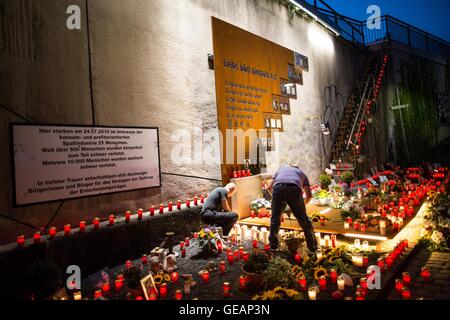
x=432 y=16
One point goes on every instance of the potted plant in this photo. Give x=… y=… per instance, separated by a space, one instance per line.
x=254 y=268
x=348 y=177
x=322 y=197
x=325 y=181
x=279 y=274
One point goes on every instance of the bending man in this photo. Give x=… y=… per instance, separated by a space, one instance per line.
x=216 y=210
x=288 y=185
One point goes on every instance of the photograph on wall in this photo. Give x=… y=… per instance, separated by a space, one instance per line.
x=295 y=75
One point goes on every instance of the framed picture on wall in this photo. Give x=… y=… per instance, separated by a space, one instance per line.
x=288 y=88
x=301 y=61
x=281 y=104
x=295 y=75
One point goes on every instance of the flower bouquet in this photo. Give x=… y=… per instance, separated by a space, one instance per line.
x=260 y=207
x=207 y=241
x=322 y=197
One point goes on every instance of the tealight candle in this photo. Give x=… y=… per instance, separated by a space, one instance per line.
x=312 y=293
x=82 y=226
x=230 y=258
x=182 y=244
x=105 y=288
x=67 y=229
x=119 y=285
x=226 y=289
x=127 y=216
x=341 y=283
x=163 y=290
x=111 y=220
x=52 y=232
x=219 y=247
x=174 y=277
x=202 y=199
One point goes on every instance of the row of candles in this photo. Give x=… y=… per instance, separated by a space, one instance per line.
x=241 y=174
x=52 y=232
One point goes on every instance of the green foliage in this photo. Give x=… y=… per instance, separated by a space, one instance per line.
x=257 y=263
x=279 y=274
x=325 y=181
x=348 y=177
x=322 y=194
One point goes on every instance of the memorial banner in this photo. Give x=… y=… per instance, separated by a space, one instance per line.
x=63 y=162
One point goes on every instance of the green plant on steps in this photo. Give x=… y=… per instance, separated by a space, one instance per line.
x=257 y=263
x=325 y=181
x=278 y=274
x=347 y=177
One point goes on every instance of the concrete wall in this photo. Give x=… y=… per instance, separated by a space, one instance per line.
x=149 y=68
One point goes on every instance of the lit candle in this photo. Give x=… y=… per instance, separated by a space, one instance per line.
x=195 y=235
x=170 y=206
x=37 y=237
x=179 y=205
x=255 y=244
x=230 y=258
x=183 y=253
x=357 y=244
x=319 y=253
x=219 y=247
x=389 y=261
x=205 y=276
x=139 y=298
x=195 y=201
x=187 y=242
x=312 y=293
x=327 y=241
x=245 y=256
x=383 y=227
x=297 y=258
x=96 y=223
x=323 y=283
x=381 y=264
x=425 y=274
x=226 y=289
x=144 y=259
x=406 y=294
x=97 y=294
x=188 y=203
x=105 y=288
x=128 y=264
x=360 y=296
x=119 y=285
x=222 y=267
x=178 y=295
x=363 y=227
x=152 y=211
x=82 y=226
x=333 y=275
x=140 y=214
x=365 y=245
x=356 y=225
x=21 y=240
x=67 y=229
x=127 y=216
x=363 y=283
x=267 y=247
x=161 y=208
x=111 y=220
x=406 y=278
x=241 y=251
x=243 y=282
x=77 y=296
x=398 y=285
x=202 y=199
x=52 y=232
x=302 y=283
x=174 y=277
x=346 y=225
x=181 y=244
x=333 y=240
x=163 y=290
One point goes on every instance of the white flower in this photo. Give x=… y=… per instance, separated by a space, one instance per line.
x=437 y=237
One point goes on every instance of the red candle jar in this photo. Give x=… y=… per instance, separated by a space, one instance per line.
x=406 y=294
x=205 y=276
x=253 y=214
x=139 y=298
x=82 y=226
x=399 y=285
x=96 y=223
x=363 y=283
x=195 y=201
x=195 y=235
x=67 y=229
x=152 y=211
x=187 y=242
x=183 y=253
x=174 y=277
x=163 y=290
x=219 y=247
x=111 y=220
x=222 y=267
x=241 y=252
x=161 y=208
x=363 y=227
x=297 y=258
x=178 y=295
x=239 y=175
x=105 y=288
x=303 y=283
x=356 y=225
x=119 y=285
x=226 y=289
x=425 y=274
x=178 y=205
x=235 y=175
x=170 y=206
x=144 y=259
x=128 y=264
x=236 y=255
x=255 y=244
x=323 y=283
x=245 y=256
x=333 y=276
x=181 y=244
x=389 y=261
x=202 y=199
x=140 y=214
x=360 y=296
x=37 y=237
x=267 y=247
x=153 y=295
x=365 y=262
x=188 y=203
x=52 y=232
x=127 y=216
x=230 y=258
x=406 y=278
x=98 y=294
x=249 y=173
x=21 y=240
x=243 y=282
x=333 y=241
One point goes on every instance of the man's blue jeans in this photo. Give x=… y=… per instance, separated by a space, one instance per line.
x=291 y=195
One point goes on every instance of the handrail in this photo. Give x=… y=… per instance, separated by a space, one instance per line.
x=361 y=104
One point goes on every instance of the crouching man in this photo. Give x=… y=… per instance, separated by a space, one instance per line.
x=216 y=210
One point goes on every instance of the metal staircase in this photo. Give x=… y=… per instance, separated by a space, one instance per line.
x=348 y=143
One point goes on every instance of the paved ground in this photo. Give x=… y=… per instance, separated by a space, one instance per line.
x=439 y=286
